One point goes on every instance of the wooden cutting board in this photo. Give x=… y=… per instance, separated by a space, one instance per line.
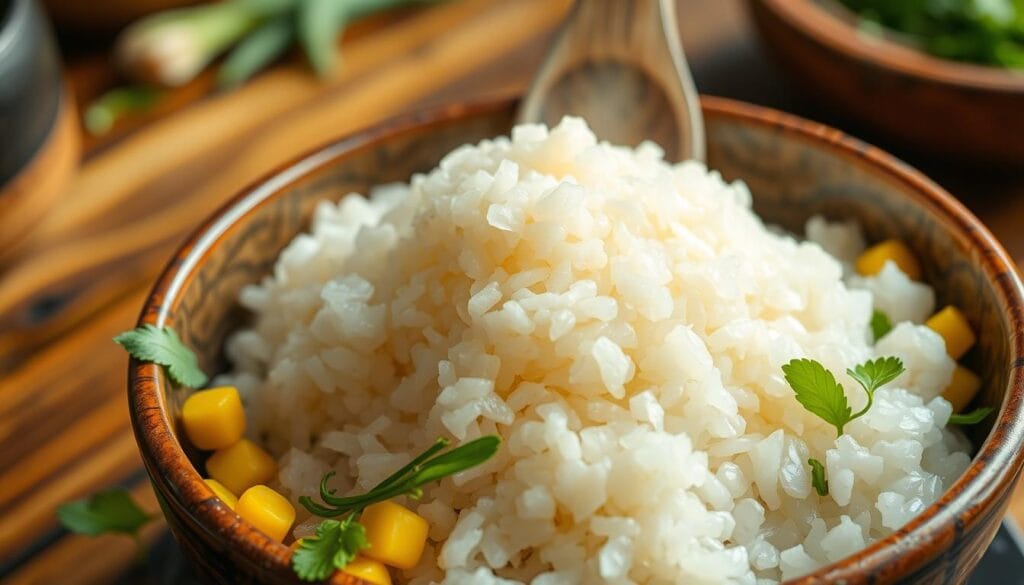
x=80 y=279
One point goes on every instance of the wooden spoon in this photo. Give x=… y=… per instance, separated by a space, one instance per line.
x=619 y=65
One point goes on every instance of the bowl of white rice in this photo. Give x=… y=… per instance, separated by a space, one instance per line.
x=621 y=323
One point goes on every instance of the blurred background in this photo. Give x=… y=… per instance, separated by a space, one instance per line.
x=124 y=123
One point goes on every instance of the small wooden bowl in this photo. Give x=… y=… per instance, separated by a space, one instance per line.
x=794 y=167
x=935 y=106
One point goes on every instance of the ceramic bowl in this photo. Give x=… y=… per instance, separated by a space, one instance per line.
x=38 y=128
x=795 y=169
x=955 y=110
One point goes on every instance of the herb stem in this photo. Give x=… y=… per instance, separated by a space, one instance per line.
x=863 y=411
x=410 y=467
x=429 y=466
x=354 y=503
x=317 y=510
x=413 y=466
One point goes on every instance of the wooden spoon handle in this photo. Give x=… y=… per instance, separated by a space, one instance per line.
x=640 y=37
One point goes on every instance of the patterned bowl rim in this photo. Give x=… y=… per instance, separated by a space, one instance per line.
x=980 y=492
x=829 y=30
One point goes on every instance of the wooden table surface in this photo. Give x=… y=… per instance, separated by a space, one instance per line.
x=81 y=278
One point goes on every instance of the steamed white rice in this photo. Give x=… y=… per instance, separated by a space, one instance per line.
x=621 y=323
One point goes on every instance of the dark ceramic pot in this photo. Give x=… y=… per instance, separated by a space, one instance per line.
x=955 y=110
x=795 y=169
x=38 y=131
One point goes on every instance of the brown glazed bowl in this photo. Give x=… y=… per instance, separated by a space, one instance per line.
x=951 y=109
x=794 y=167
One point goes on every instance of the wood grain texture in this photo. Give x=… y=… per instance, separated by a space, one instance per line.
x=63 y=427
x=82 y=277
x=94 y=560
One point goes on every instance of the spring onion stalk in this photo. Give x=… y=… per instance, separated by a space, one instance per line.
x=172 y=47
x=105 y=111
x=256 y=51
x=320 y=22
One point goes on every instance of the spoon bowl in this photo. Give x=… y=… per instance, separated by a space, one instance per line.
x=620 y=66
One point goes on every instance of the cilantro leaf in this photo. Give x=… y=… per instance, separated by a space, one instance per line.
x=971 y=418
x=110 y=511
x=353 y=539
x=880 y=324
x=161 y=345
x=873 y=374
x=335 y=545
x=818 y=477
x=817 y=390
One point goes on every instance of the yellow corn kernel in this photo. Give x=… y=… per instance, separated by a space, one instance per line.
x=368 y=570
x=396 y=535
x=241 y=466
x=951 y=324
x=222 y=492
x=213 y=418
x=267 y=510
x=874 y=258
x=962 y=388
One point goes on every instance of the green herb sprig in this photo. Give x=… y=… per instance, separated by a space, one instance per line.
x=110 y=511
x=817 y=390
x=970 y=418
x=818 y=477
x=337 y=542
x=880 y=324
x=161 y=345
x=990 y=32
